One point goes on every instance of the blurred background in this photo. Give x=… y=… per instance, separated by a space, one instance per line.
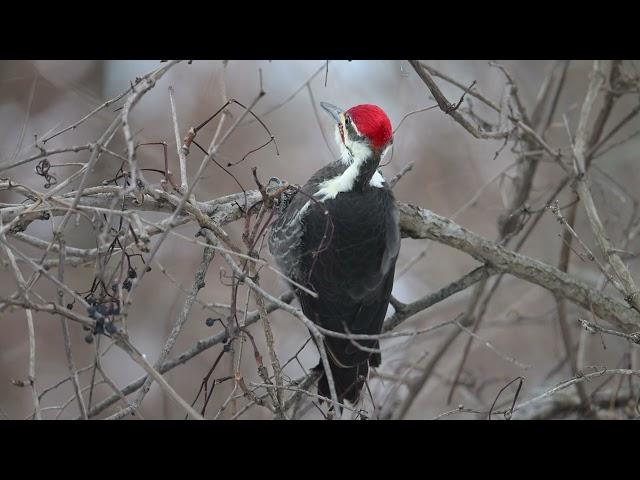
x=450 y=168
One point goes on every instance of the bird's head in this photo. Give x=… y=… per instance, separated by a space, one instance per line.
x=361 y=131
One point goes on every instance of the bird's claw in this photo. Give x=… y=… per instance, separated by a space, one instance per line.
x=274 y=184
x=277 y=181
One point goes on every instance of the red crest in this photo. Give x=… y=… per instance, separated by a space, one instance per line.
x=373 y=123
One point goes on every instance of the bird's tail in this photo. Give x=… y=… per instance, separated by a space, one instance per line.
x=348 y=380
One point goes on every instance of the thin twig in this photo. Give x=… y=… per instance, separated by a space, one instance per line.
x=181 y=156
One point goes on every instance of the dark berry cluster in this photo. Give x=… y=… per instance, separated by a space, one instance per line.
x=100 y=311
x=131 y=274
x=104 y=300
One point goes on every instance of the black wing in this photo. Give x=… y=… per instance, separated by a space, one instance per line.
x=352 y=269
x=346 y=255
x=286 y=234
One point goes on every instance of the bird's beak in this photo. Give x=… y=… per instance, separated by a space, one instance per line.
x=334 y=111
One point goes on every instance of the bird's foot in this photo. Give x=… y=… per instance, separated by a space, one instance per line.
x=274 y=184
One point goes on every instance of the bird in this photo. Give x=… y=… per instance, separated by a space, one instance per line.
x=339 y=236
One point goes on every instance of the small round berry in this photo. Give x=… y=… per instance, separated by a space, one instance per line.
x=103 y=309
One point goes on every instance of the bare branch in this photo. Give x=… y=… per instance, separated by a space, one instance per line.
x=420 y=223
x=626 y=283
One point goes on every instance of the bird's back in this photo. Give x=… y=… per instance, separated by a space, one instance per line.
x=345 y=250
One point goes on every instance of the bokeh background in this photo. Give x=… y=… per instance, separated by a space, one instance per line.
x=450 y=166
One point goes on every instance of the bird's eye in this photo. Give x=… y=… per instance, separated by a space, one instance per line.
x=347 y=120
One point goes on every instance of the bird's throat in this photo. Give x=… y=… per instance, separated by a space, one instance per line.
x=359 y=174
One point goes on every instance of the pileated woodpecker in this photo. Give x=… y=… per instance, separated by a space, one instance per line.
x=339 y=237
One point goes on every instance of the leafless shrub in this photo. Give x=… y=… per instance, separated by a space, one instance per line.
x=122 y=212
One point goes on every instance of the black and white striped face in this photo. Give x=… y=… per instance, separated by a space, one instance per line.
x=358 y=154
x=354 y=147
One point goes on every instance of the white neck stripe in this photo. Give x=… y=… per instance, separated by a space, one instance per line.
x=353 y=154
